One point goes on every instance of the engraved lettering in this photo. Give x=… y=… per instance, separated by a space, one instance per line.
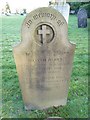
x=60 y=22
x=39 y=15
x=29 y=23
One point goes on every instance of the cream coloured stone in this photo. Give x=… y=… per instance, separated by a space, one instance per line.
x=44 y=59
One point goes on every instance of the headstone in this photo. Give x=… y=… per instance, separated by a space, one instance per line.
x=63 y=8
x=44 y=59
x=82 y=18
x=60 y=1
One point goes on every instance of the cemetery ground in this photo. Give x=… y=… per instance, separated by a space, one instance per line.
x=12 y=103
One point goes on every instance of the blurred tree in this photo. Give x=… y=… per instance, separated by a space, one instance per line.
x=76 y=5
x=87 y=7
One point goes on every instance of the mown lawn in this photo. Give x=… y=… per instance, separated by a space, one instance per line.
x=13 y=107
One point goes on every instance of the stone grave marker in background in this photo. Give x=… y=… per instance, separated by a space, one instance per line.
x=44 y=59
x=82 y=18
x=62 y=7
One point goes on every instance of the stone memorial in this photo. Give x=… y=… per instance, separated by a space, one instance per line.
x=82 y=18
x=62 y=7
x=44 y=59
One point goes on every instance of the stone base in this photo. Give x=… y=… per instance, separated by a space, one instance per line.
x=31 y=107
x=43 y=107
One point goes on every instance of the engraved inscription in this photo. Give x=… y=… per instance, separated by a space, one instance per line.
x=50 y=75
x=60 y=22
x=41 y=15
x=29 y=22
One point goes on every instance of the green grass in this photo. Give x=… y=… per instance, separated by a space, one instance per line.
x=13 y=106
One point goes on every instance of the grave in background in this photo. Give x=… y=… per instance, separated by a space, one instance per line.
x=62 y=7
x=82 y=18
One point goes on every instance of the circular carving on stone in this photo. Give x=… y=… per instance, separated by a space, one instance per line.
x=44 y=34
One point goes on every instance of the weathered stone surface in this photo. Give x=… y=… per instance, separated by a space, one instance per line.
x=44 y=59
x=82 y=18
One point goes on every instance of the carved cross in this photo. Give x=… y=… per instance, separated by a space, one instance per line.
x=43 y=32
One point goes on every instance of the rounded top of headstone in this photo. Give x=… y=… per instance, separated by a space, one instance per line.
x=43 y=25
x=82 y=13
